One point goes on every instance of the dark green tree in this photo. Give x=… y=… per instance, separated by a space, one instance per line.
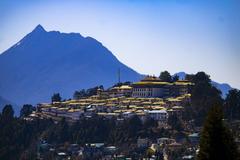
x=56 y=97
x=204 y=96
x=201 y=77
x=26 y=110
x=232 y=105
x=175 y=122
x=7 y=113
x=165 y=76
x=86 y=93
x=93 y=91
x=79 y=94
x=216 y=140
x=150 y=122
x=134 y=125
x=63 y=131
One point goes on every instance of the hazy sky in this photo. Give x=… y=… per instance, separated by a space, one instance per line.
x=149 y=36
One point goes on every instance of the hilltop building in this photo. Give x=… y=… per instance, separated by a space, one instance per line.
x=123 y=90
x=152 y=86
x=116 y=91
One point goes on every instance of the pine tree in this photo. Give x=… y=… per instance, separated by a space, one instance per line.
x=7 y=113
x=26 y=110
x=56 y=97
x=216 y=140
x=232 y=105
x=165 y=76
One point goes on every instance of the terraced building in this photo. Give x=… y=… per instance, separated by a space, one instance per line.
x=152 y=86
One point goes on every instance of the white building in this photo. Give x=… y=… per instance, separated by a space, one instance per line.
x=159 y=115
x=153 y=87
x=150 y=87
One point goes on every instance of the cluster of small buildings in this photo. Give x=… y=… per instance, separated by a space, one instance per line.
x=166 y=146
x=75 y=151
x=148 y=98
x=118 y=108
x=161 y=147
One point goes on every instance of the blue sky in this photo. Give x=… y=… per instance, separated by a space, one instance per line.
x=149 y=36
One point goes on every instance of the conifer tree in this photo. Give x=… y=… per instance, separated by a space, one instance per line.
x=216 y=140
x=165 y=76
x=56 y=97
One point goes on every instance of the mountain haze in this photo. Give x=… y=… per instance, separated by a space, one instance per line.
x=43 y=63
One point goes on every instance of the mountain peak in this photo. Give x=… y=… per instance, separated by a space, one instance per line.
x=39 y=28
x=57 y=58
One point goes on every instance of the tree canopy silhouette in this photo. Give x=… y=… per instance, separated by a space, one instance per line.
x=216 y=140
x=165 y=76
x=56 y=97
